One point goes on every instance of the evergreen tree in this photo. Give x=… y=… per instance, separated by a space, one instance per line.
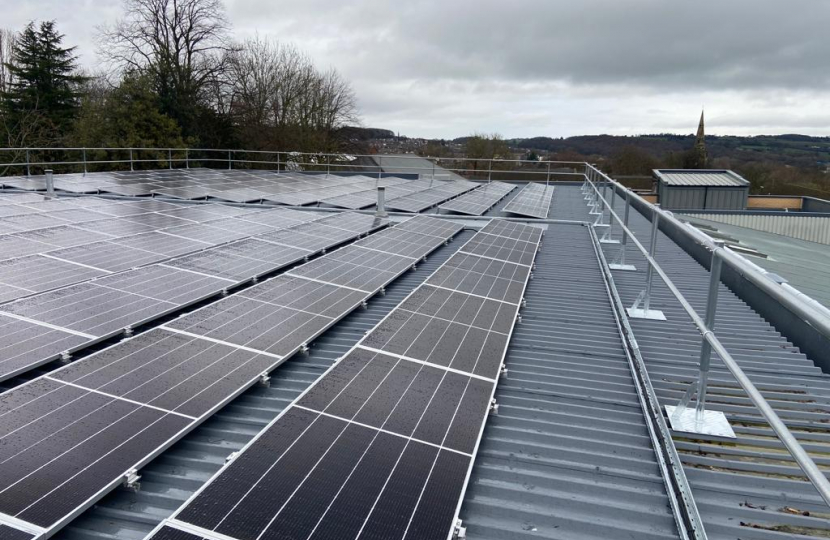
x=45 y=80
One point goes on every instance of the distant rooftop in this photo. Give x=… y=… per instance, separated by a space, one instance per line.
x=700 y=178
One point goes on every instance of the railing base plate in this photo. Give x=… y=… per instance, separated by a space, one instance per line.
x=714 y=423
x=653 y=314
x=628 y=267
x=609 y=241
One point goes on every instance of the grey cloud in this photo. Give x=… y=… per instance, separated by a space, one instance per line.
x=543 y=67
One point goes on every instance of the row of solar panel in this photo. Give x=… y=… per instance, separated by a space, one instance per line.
x=422 y=200
x=71 y=237
x=479 y=200
x=351 y=192
x=237 y=186
x=381 y=446
x=42 y=327
x=74 y=434
x=532 y=201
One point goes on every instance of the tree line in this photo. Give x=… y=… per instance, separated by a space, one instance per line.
x=174 y=77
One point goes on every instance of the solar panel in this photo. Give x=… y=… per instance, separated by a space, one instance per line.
x=166 y=284
x=533 y=200
x=63 y=236
x=14 y=246
x=380 y=446
x=13 y=534
x=82 y=428
x=229 y=265
x=400 y=242
x=502 y=248
x=430 y=226
x=115 y=227
x=37 y=273
x=90 y=309
x=479 y=200
x=421 y=200
x=107 y=256
x=25 y=345
x=162 y=244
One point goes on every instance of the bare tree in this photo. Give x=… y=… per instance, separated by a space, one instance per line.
x=278 y=99
x=182 y=44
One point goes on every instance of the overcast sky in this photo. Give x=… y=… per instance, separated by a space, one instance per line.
x=446 y=68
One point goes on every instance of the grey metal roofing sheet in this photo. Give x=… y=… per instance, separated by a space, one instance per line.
x=695 y=178
x=805 y=265
x=810 y=228
x=751 y=488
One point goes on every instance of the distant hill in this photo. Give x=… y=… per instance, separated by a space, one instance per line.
x=791 y=149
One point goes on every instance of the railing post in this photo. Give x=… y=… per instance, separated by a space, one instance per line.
x=547 y=179
x=28 y=164
x=489 y=171
x=619 y=264
x=606 y=238
x=50 y=184
x=709 y=321
x=84 y=161
x=702 y=421
x=169 y=158
x=380 y=166
x=187 y=158
x=645 y=295
x=131 y=160
x=230 y=160
x=381 y=211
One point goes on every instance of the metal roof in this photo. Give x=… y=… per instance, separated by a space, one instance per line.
x=806 y=265
x=699 y=178
x=811 y=228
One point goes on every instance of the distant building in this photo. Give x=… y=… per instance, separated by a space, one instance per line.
x=694 y=189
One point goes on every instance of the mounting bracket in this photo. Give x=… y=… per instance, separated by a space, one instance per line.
x=131 y=480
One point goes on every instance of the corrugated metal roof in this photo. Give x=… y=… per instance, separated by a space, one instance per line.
x=805 y=265
x=752 y=488
x=568 y=455
x=700 y=178
x=810 y=228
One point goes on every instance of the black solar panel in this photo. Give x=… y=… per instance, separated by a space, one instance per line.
x=380 y=446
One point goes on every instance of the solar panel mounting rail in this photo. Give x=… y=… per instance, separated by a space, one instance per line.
x=382 y=445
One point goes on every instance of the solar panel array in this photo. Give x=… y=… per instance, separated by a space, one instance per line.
x=417 y=202
x=479 y=200
x=78 y=432
x=532 y=201
x=381 y=446
x=65 y=287
x=290 y=188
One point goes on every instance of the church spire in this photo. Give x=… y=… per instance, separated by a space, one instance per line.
x=700 y=156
